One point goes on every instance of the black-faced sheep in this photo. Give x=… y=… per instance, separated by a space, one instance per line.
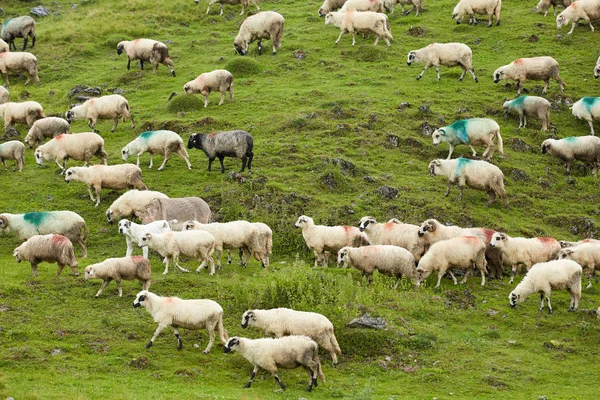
x=81 y=147
x=586 y=254
x=587 y=10
x=106 y=107
x=148 y=50
x=537 y=68
x=532 y=106
x=160 y=142
x=224 y=144
x=264 y=25
x=565 y=243
x=393 y=233
x=581 y=148
x=180 y=209
x=472 y=131
x=491 y=8
x=48 y=127
x=219 y=80
x=132 y=203
x=587 y=108
x=49 y=248
x=361 y=22
x=244 y=3
x=127 y=268
x=133 y=233
x=19 y=62
x=446 y=54
x=19 y=27
x=26 y=112
x=13 y=150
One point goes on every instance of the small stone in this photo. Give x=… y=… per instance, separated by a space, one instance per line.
x=366 y=321
x=425 y=109
x=196 y=346
x=571 y=181
x=40 y=11
x=492 y=312
x=542 y=398
x=299 y=54
x=56 y=352
x=387 y=192
x=415 y=31
x=559 y=36
x=403 y=105
x=426 y=129
x=74 y=6
x=533 y=38
x=168 y=41
x=118 y=91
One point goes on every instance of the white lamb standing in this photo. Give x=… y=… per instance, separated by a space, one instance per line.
x=264 y=25
x=148 y=50
x=545 y=276
x=106 y=107
x=544 y=5
x=587 y=255
x=330 y=5
x=244 y=3
x=587 y=108
x=393 y=233
x=532 y=106
x=361 y=22
x=81 y=147
x=491 y=8
x=472 y=131
x=416 y=5
x=49 y=248
x=161 y=142
x=581 y=148
x=537 y=68
x=117 y=269
x=26 y=112
x=17 y=63
x=363 y=5
x=588 y=10
x=48 y=127
x=13 y=150
x=132 y=203
x=133 y=233
x=219 y=80
x=446 y=54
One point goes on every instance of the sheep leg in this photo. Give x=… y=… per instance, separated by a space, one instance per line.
x=422 y=72
x=549 y=306
x=142 y=65
x=167 y=155
x=440 y=274
x=205 y=100
x=34 y=270
x=546 y=83
x=259 y=47
x=568 y=167
x=247 y=255
x=592 y=127
x=519 y=87
x=492 y=198
x=221 y=158
x=98 y=189
x=311 y=379
x=62 y=167
x=461 y=187
x=60 y=268
x=156 y=333
x=377 y=40
x=90 y=192
x=453 y=277
x=4 y=163
x=474 y=153
x=115 y=123
x=179 y=266
x=252 y=376
x=166 y=261
x=179 y=342
x=201 y=266
x=521 y=120
x=512 y=274
x=589 y=285
x=128 y=63
x=573 y=23
x=243 y=9
x=464 y=279
x=120 y=288
x=336 y=42
x=448 y=189
x=229 y=260
x=211 y=339
x=279 y=381
x=542 y=303
x=585 y=19
x=102 y=286
x=353 y=38
x=451 y=150
x=437 y=70
x=463 y=73
x=222 y=97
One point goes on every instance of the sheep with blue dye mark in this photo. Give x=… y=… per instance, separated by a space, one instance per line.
x=544 y=5
x=361 y=22
x=13 y=150
x=244 y=3
x=81 y=147
x=106 y=107
x=587 y=255
x=148 y=50
x=587 y=10
x=587 y=108
x=491 y=8
x=219 y=80
x=264 y=25
x=393 y=233
x=17 y=63
x=537 y=68
x=48 y=127
x=446 y=54
x=117 y=269
x=224 y=144
x=473 y=131
x=132 y=202
x=50 y=248
x=532 y=106
x=3 y=95
x=3 y=46
x=581 y=148
x=133 y=233
x=19 y=27
x=416 y=5
x=26 y=112
x=161 y=142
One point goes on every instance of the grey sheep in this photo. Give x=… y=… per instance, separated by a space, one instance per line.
x=20 y=27
x=224 y=144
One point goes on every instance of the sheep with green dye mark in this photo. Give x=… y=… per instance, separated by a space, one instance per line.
x=19 y=27
x=473 y=131
x=587 y=255
x=530 y=105
x=49 y=248
x=587 y=10
x=537 y=68
x=393 y=233
x=48 y=127
x=416 y=5
x=117 y=269
x=132 y=202
x=361 y=22
x=106 y=107
x=13 y=150
x=491 y=8
x=581 y=148
x=544 y=5
x=244 y=3
x=17 y=63
x=26 y=112
x=587 y=108
x=161 y=142
x=81 y=147
x=446 y=54
x=148 y=50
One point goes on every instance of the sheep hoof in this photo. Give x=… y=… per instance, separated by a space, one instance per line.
x=205 y=352
x=96 y=296
x=247 y=385
x=476 y=80
x=149 y=345
x=173 y=73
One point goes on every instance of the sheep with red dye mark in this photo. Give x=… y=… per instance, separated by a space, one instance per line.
x=106 y=107
x=537 y=68
x=393 y=233
x=587 y=108
x=581 y=148
x=49 y=248
x=17 y=63
x=81 y=147
x=564 y=243
x=532 y=106
x=586 y=254
x=117 y=269
x=161 y=142
x=147 y=50
x=588 y=10
x=491 y=8
x=472 y=131
x=19 y=27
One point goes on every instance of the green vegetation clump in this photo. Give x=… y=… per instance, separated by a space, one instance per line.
x=369 y=53
x=243 y=66
x=185 y=102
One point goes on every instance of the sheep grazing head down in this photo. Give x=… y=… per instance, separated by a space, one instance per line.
x=120 y=48
x=89 y=272
x=69 y=175
x=498 y=74
x=241 y=46
x=39 y=157
x=546 y=146
x=248 y=315
x=16 y=255
x=140 y=299
x=231 y=345
x=125 y=153
x=343 y=255
x=514 y=298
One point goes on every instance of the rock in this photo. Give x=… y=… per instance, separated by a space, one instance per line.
x=403 y=105
x=237 y=177
x=477 y=41
x=519 y=145
x=56 y=352
x=392 y=141
x=424 y=109
x=346 y=167
x=387 y=192
x=74 y=6
x=412 y=142
x=40 y=11
x=540 y=25
x=171 y=42
x=571 y=181
x=196 y=346
x=328 y=180
x=4 y=307
x=366 y=321
x=118 y=91
x=544 y=183
x=518 y=175
x=542 y=398
x=492 y=312
x=89 y=91
x=11 y=132
x=299 y=54
x=533 y=38
x=369 y=179
x=426 y=129
x=416 y=31
x=559 y=37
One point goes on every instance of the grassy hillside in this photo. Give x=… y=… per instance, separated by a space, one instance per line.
x=334 y=132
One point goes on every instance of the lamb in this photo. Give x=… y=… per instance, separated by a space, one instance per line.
x=581 y=148
x=123 y=176
x=219 y=79
x=545 y=276
x=537 y=68
x=133 y=233
x=416 y=5
x=472 y=131
x=529 y=105
x=362 y=22
x=363 y=5
x=66 y=223
x=465 y=252
x=264 y=25
x=281 y=322
x=520 y=251
x=446 y=54
x=596 y=72
x=13 y=150
x=106 y=107
x=224 y=144
x=393 y=233
x=132 y=202
x=565 y=244
x=19 y=62
x=3 y=46
x=330 y=5
x=180 y=209
x=3 y=95
x=81 y=147
x=323 y=239
x=244 y=3
x=587 y=108
x=479 y=175
x=186 y=314
x=286 y=352
x=587 y=10
x=49 y=248
x=127 y=268
x=471 y=7
x=148 y=50
x=544 y=5
x=26 y=112
x=160 y=142
x=586 y=254
x=20 y=27
x=48 y=127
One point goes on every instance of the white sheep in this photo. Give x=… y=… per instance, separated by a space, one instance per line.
x=281 y=322
x=17 y=63
x=565 y=244
x=491 y=8
x=393 y=233
x=161 y=142
x=446 y=54
x=286 y=352
x=3 y=46
x=148 y=50
x=26 y=112
x=545 y=276
x=264 y=25
x=106 y=107
x=13 y=150
x=123 y=176
x=588 y=10
x=537 y=68
x=219 y=80
x=3 y=95
x=587 y=108
x=117 y=269
x=330 y=5
x=81 y=147
x=244 y=3
x=416 y=5
x=132 y=202
x=544 y=5
x=480 y=175
x=585 y=254
x=187 y=314
x=472 y=131
x=19 y=27
x=361 y=22
x=133 y=233
x=265 y=245
x=48 y=127
x=49 y=248
x=581 y=148
x=363 y=5
x=532 y=106
x=596 y=71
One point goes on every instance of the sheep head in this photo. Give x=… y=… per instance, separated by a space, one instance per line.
x=231 y=345
x=140 y=299
x=188 y=225
x=439 y=136
x=498 y=239
x=432 y=167
x=89 y=272
x=342 y=255
x=4 y=223
x=498 y=75
x=125 y=153
x=120 y=48
x=514 y=299
x=70 y=174
x=16 y=255
x=546 y=145
x=411 y=57
x=247 y=317
x=364 y=222
x=303 y=220
x=428 y=226
x=565 y=253
x=144 y=240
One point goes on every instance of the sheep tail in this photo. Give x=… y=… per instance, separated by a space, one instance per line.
x=334 y=343
x=500 y=145
x=223 y=335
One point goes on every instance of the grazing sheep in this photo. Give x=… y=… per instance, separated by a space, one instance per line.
x=26 y=112
x=479 y=175
x=244 y=3
x=416 y=5
x=565 y=244
x=361 y=22
x=19 y=27
x=596 y=70
x=471 y=7
x=264 y=25
x=330 y=5
x=81 y=147
x=218 y=80
x=581 y=148
x=48 y=127
x=537 y=68
x=587 y=10
x=180 y=209
x=19 y=62
x=465 y=252
x=587 y=108
x=13 y=150
x=3 y=46
x=393 y=233
x=66 y=223
x=160 y=142
x=446 y=54
x=519 y=251
x=48 y=248
x=132 y=202
x=186 y=314
x=123 y=176
x=586 y=254
x=363 y=5
x=133 y=233
x=106 y=107
x=529 y=105
x=224 y=144
x=472 y=131
x=127 y=268
x=545 y=276
x=544 y=5
x=3 y=95
x=286 y=352
x=148 y=50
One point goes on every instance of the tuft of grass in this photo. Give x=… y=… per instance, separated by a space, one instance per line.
x=243 y=67
x=185 y=102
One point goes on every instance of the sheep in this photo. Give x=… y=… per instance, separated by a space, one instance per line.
x=596 y=71
x=127 y=268
x=219 y=145
x=586 y=254
x=545 y=276
x=544 y=5
x=537 y=68
x=148 y=50
x=363 y=5
x=587 y=108
x=199 y=245
x=66 y=223
x=446 y=54
x=18 y=62
x=465 y=252
x=244 y=3
x=265 y=245
x=417 y=5
x=187 y=314
x=565 y=244
x=26 y=112
x=106 y=107
x=179 y=209
x=3 y=46
x=133 y=233
x=3 y=95
x=286 y=352
x=49 y=248
x=472 y=131
x=13 y=150
x=132 y=202
x=518 y=251
x=19 y=27
x=581 y=148
x=480 y=175
x=362 y=22
x=330 y=5
x=160 y=142
x=264 y=25
x=219 y=79
x=529 y=105
x=323 y=239
x=393 y=233
x=123 y=176
x=587 y=10
x=81 y=147
x=48 y=127
x=471 y=7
